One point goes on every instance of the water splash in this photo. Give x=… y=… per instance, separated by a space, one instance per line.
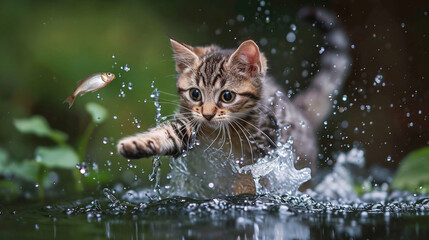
x=339 y=183
x=212 y=175
x=278 y=168
x=156 y=160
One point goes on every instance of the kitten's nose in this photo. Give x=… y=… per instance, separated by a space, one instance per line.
x=208 y=116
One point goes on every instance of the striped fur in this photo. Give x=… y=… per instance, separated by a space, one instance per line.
x=252 y=121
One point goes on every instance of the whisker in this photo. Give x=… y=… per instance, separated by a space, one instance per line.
x=241 y=140
x=248 y=141
x=223 y=135
x=169 y=94
x=241 y=119
x=230 y=142
x=214 y=139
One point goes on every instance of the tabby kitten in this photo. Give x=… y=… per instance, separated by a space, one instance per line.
x=227 y=100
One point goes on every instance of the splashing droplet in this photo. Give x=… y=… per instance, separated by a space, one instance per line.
x=378 y=79
x=290 y=37
x=127 y=68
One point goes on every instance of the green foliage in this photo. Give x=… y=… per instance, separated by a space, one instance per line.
x=96 y=177
x=61 y=156
x=8 y=189
x=97 y=112
x=27 y=170
x=3 y=158
x=413 y=171
x=57 y=157
x=38 y=126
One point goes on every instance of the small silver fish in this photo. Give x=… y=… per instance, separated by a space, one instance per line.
x=90 y=84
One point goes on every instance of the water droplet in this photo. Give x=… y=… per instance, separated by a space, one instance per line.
x=240 y=18
x=130 y=86
x=105 y=140
x=127 y=68
x=290 y=37
x=304 y=73
x=322 y=49
x=267 y=19
x=273 y=51
x=113 y=55
x=378 y=79
x=389 y=158
x=293 y=27
x=211 y=185
x=115 y=117
x=121 y=93
x=344 y=98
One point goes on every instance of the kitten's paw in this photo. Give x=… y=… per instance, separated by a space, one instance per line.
x=137 y=147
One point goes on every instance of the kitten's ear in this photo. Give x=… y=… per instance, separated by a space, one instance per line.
x=184 y=55
x=247 y=59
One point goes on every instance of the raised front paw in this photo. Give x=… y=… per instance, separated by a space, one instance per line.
x=138 y=147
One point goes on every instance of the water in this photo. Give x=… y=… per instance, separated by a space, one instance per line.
x=331 y=211
x=254 y=217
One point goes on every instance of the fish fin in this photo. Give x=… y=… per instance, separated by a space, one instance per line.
x=81 y=81
x=70 y=100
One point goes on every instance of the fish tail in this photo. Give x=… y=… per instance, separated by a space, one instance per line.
x=70 y=100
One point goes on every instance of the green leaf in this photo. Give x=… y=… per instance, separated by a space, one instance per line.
x=3 y=158
x=8 y=189
x=26 y=170
x=96 y=177
x=38 y=126
x=413 y=171
x=97 y=112
x=57 y=157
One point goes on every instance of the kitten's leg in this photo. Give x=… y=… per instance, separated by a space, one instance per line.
x=169 y=138
x=244 y=184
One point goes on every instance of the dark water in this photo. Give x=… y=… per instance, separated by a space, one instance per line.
x=251 y=217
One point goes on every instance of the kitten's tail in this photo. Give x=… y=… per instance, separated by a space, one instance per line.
x=316 y=101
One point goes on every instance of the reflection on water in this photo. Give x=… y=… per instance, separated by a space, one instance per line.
x=254 y=217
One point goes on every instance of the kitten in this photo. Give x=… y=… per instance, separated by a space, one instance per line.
x=228 y=100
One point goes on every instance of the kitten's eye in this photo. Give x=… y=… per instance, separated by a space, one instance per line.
x=195 y=94
x=227 y=96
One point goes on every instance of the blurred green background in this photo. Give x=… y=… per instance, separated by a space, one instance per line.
x=47 y=46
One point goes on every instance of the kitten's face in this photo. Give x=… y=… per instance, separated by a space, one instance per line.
x=219 y=86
